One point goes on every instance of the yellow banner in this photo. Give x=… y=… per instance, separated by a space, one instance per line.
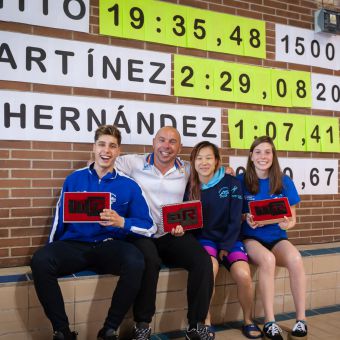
x=183 y=26
x=218 y=80
x=290 y=132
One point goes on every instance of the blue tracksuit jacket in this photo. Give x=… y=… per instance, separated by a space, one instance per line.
x=127 y=199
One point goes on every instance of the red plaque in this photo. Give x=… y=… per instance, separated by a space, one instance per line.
x=187 y=214
x=85 y=206
x=270 y=211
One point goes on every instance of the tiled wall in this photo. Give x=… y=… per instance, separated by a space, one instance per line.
x=87 y=298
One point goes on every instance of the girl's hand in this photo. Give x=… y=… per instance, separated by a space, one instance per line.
x=111 y=219
x=286 y=224
x=289 y=223
x=177 y=231
x=251 y=222
x=222 y=253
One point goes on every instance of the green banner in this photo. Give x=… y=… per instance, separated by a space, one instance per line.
x=290 y=132
x=183 y=26
x=212 y=79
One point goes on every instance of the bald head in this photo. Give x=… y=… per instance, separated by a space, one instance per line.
x=169 y=130
x=166 y=146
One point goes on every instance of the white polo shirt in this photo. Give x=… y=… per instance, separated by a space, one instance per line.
x=158 y=189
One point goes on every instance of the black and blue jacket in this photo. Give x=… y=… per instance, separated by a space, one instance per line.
x=222 y=201
x=127 y=199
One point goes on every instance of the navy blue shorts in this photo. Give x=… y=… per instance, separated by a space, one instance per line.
x=268 y=245
x=237 y=253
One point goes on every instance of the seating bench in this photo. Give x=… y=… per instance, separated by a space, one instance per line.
x=88 y=295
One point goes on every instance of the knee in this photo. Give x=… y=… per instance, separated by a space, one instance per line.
x=202 y=263
x=297 y=258
x=152 y=262
x=242 y=277
x=40 y=262
x=134 y=265
x=268 y=261
x=296 y=261
x=149 y=253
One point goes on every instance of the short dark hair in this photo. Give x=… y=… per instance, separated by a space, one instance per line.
x=110 y=130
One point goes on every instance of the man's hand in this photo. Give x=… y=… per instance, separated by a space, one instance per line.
x=111 y=219
x=177 y=231
x=230 y=171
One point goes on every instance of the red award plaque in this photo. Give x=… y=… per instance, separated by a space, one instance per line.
x=270 y=211
x=187 y=214
x=85 y=206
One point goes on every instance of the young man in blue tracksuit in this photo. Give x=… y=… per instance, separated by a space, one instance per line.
x=102 y=246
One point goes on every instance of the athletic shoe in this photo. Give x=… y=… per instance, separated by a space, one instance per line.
x=139 y=333
x=107 y=334
x=272 y=331
x=65 y=335
x=201 y=332
x=299 y=331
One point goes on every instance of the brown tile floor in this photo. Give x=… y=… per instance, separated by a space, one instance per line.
x=320 y=327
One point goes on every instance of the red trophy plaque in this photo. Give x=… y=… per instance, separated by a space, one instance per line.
x=85 y=206
x=270 y=211
x=187 y=214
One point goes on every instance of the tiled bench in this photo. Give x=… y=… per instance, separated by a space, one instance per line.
x=87 y=297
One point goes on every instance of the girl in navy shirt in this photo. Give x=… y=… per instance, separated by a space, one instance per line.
x=222 y=201
x=267 y=245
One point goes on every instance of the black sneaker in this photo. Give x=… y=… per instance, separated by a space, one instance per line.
x=107 y=334
x=202 y=332
x=139 y=333
x=299 y=331
x=272 y=331
x=211 y=332
x=66 y=335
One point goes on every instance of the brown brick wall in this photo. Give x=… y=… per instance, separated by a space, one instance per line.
x=31 y=172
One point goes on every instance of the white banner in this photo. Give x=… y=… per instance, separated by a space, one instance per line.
x=66 y=14
x=302 y=46
x=60 y=118
x=37 y=59
x=325 y=92
x=317 y=176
